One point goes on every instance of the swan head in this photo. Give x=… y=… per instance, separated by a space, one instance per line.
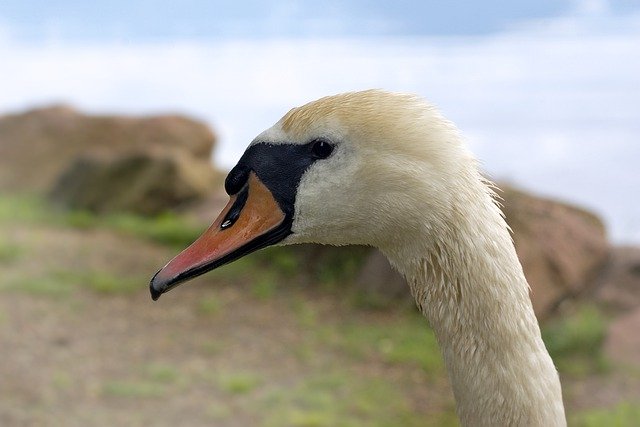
x=370 y=168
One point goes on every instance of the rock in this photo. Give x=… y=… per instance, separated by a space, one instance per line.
x=623 y=341
x=562 y=248
x=142 y=183
x=326 y=263
x=379 y=282
x=618 y=289
x=38 y=145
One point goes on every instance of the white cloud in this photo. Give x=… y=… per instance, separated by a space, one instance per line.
x=552 y=105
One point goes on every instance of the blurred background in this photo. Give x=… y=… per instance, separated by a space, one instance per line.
x=119 y=119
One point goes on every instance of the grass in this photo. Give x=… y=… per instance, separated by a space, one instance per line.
x=575 y=342
x=625 y=414
x=399 y=337
x=405 y=339
x=340 y=398
x=305 y=312
x=25 y=208
x=265 y=286
x=161 y=373
x=209 y=305
x=154 y=380
x=61 y=283
x=100 y=281
x=238 y=382
x=105 y=283
x=51 y=285
x=10 y=252
x=282 y=260
x=339 y=266
x=167 y=229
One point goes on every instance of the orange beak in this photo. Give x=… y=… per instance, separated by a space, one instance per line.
x=251 y=220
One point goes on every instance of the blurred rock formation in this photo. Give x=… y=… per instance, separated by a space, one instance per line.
x=107 y=163
x=562 y=249
x=618 y=288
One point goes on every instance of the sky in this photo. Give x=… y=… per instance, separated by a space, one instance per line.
x=545 y=92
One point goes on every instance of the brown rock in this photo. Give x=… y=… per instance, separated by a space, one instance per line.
x=143 y=183
x=623 y=340
x=38 y=145
x=618 y=290
x=562 y=248
x=378 y=281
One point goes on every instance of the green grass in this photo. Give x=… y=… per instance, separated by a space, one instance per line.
x=339 y=266
x=340 y=398
x=238 y=382
x=102 y=282
x=401 y=337
x=305 y=311
x=51 y=285
x=575 y=342
x=282 y=260
x=161 y=373
x=168 y=229
x=625 y=414
x=25 y=208
x=106 y=283
x=264 y=286
x=153 y=380
x=403 y=340
x=61 y=283
x=209 y=305
x=10 y=252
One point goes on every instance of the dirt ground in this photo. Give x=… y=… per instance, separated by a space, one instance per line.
x=211 y=352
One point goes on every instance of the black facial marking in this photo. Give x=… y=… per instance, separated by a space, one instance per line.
x=236 y=179
x=234 y=212
x=280 y=167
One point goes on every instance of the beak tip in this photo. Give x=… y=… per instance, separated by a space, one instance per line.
x=155 y=293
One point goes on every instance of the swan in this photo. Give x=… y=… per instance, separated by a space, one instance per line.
x=388 y=170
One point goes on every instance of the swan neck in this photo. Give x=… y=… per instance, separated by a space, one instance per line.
x=470 y=286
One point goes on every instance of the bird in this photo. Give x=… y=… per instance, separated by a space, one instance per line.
x=387 y=170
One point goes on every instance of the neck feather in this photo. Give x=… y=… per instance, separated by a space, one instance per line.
x=469 y=284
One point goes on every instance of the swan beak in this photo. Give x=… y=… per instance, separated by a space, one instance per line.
x=251 y=220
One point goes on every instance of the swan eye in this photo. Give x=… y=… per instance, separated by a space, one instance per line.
x=321 y=149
